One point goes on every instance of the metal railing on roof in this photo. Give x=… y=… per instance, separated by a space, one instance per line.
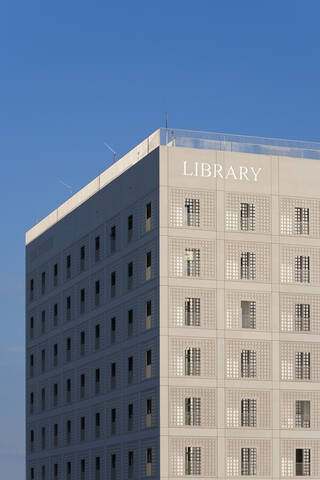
x=239 y=143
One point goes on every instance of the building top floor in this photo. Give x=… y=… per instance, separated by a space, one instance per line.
x=247 y=163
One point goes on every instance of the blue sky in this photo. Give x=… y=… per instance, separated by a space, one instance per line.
x=75 y=74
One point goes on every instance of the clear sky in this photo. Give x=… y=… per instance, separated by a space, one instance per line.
x=76 y=74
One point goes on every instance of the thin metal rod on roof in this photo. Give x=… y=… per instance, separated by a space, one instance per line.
x=67 y=186
x=111 y=150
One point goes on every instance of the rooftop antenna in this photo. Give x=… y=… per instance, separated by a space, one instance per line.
x=67 y=186
x=111 y=150
x=166 y=128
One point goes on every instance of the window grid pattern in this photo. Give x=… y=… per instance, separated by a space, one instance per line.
x=248 y=461
x=177 y=356
x=298 y=361
x=205 y=306
x=238 y=361
x=182 y=251
x=233 y=310
x=177 y=405
x=299 y=265
x=206 y=206
x=288 y=401
x=245 y=212
x=200 y=449
x=247 y=261
x=234 y=456
x=233 y=407
x=192 y=212
x=294 y=213
x=295 y=310
x=288 y=457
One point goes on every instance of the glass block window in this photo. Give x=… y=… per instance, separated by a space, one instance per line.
x=248 y=363
x=192 y=307
x=192 y=362
x=248 y=412
x=245 y=309
x=302 y=320
x=193 y=411
x=184 y=357
x=192 y=262
x=248 y=266
x=302 y=220
x=184 y=209
x=248 y=408
x=302 y=414
x=247 y=261
x=248 y=457
x=303 y=461
x=184 y=258
x=248 y=461
x=192 y=406
x=192 y=461
x=303 y=365
x=302 y=269
x=247 y=216
x=192 y=312
x=300 y=313
x=247 y=212
x=299 y=264
x=192 y=456
x=248 y=314
x=192 y=212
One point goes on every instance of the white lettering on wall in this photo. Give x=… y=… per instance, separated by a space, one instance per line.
x=215 y=170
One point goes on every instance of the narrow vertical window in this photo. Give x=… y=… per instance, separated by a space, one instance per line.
x=97 y=381
x=247 y=217
x=148 y=363
x=68 y=349
x=113 y=284
x=97 y=336
x=82 y=428
x=302 y=320
x=97 y=248
x=130 y=369
x=148 y=314
x=68 y=312
x=97 y=424
x=303 y=365
x=192 y=409
x=248 y=363
x=248 y=266
x=43 y=282
x=248 y=314
x=302 y=220
x=192 y=460
x=113 y=420
x=55 y=314
x=149 y=413
x=130 y=323
x=82 y=385
x=192 y=212
x=97 y=293
x=82 y=258
x=43 y=321
x=113 y=234
x=149 y=462
x=55 y=275
x=68 y=266
x=113 y=375
x=192 y=262
x=130 y=417
x=148 y=217
x=130 y=274
x=113 y=330
x=82 y=300
x=248 y=461
x=130 y=464
x=248 y=412
x=82 y=343
x=302 y=413
x=31 y=289
x=130 y=227
x=302 y=269
x=192 y=312
x=303 y=462
x=148 y=266
x=192 y=361
x=31 y=324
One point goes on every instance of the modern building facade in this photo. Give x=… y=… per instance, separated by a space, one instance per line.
x=173 y=316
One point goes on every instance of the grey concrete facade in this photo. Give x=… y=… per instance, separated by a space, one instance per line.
x=173 y=319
